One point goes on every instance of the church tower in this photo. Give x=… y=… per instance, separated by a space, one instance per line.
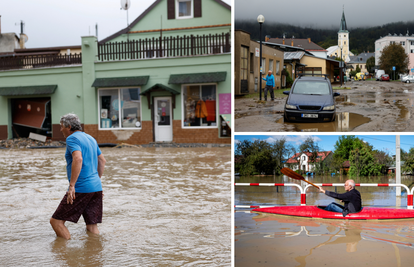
x=343 y=39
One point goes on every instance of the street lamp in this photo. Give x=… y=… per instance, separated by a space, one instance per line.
x=260 y=19
x=340 y=67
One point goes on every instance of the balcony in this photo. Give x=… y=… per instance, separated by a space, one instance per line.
x=11 y=62
x=165 y=47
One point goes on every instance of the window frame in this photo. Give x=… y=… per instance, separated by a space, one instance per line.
x=177 y=9
x=183 y=110
x=119 y=111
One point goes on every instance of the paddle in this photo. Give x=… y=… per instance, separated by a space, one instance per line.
x=294 y=175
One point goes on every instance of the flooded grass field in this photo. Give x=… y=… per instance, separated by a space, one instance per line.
x=162 y=207
x=275 y=240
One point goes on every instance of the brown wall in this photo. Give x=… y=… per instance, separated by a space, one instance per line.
x=209 y=136
x=243 y=39
x=3 y=132
x=146 y=136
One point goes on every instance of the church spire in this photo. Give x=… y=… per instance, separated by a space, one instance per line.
x=342 y=27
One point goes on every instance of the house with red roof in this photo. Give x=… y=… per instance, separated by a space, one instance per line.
x=305 y=161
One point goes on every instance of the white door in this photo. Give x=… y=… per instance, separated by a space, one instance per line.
x=163 y=119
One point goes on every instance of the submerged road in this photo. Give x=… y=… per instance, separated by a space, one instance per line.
x=162 y=207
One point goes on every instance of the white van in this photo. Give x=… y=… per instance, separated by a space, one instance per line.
x=378 y=74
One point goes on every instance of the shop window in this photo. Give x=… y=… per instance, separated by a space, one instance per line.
x=184 y=9
x=277 y=67
x=119 y=108
x=271 y=65
x=199 y=104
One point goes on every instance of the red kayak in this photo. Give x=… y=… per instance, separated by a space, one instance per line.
x=366 y=213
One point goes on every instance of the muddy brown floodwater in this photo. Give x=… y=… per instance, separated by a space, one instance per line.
x=263 y=239
x=370 y=106
x=162 y=207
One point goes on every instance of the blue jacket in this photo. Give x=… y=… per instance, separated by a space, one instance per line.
x=270 y=80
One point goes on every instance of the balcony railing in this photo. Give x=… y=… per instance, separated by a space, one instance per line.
x=38 y=61
x=163 y=47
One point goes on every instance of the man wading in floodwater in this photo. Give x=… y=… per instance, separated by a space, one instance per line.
x=85 y=166
x=352 y=199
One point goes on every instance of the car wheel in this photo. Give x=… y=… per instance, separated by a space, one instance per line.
x=407 y=81
x=285 y=119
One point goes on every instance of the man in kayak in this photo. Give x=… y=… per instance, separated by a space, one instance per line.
x=351 y=199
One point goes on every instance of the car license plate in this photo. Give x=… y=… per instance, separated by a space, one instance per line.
x=309 y=115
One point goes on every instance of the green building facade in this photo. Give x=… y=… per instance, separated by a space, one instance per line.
x=164 y=78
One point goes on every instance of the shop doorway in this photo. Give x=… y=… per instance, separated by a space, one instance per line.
x=31 y=115
x=163 y=119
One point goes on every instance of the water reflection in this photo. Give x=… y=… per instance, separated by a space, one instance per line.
x=86 y=251
x=314 y=242
x=344 y=122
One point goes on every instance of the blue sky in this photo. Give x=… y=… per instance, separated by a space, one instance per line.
x=327 y=142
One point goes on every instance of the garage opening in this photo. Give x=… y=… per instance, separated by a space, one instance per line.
x=31 y=115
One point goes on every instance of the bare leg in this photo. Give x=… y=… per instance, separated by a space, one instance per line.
x=93 y=228
x=60 y=228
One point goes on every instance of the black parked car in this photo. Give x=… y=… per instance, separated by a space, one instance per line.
x=311 y=99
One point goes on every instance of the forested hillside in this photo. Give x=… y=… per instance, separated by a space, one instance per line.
x=361 y=39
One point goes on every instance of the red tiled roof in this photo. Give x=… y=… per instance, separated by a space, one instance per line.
x=321 y=156
x=346 y=164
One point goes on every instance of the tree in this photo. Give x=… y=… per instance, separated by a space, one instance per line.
x=358 y=69
x=408 y=158
x=261 y=156
x=281 y=151
x=370 y=63
x=363 y=162
x=309 y=145
x=393 y=55
x=343 y=148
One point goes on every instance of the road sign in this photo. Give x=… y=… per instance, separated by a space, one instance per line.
x=393 y=67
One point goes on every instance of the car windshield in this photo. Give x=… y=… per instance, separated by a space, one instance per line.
x=311 y=88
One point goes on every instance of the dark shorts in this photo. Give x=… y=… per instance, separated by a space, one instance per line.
x=89 y=205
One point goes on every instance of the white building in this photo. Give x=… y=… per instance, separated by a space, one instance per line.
x=302 y=161
x=407 y=41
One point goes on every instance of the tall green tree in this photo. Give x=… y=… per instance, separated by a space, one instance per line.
x=393 y=55
x=370 y=63
x=408 y=158
x=363 y=162
x=261 y=156
x=281 y=150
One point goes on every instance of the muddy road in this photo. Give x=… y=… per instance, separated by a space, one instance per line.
x=370 y=106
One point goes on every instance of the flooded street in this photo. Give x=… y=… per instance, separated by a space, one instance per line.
x=162 y=207
x=368 y=106
x=276 y=240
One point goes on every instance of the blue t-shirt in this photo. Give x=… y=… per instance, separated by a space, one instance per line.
x=270 y=80
x=88 y=180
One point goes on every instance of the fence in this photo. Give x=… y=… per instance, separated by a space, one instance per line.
x=159 y=47
x=303 y=191
x=38 y=61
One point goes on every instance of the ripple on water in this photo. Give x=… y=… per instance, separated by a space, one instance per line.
x=168 y=207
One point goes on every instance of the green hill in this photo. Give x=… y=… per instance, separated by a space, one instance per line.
x=361 y=39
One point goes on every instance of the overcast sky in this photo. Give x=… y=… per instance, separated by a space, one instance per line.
x=326 y=13
x=51 y=23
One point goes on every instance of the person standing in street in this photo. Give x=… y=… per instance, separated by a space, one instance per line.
x=270 y=84
x=85 y=166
